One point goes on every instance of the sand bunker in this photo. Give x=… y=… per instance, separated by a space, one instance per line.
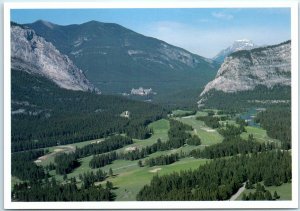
x=97 y=142
x=58 y=150
x=129 y=149
x=155 y=170
x=208 y=130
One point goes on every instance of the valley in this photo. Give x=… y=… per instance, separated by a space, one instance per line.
x=128 y=177
x=102 y=113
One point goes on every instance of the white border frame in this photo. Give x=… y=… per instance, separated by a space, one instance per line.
x=8 y=204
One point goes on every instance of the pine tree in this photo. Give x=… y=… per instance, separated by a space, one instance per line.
x=268 y=195
x=109 y=185
x=110 y=172
x=276 y=196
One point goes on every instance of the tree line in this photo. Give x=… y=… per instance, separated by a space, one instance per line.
x=51 y=190
x=260 y=194
x=260 y=96
x=232 y=147
x=24 y=168
x=89 y=178
x=210 y=121
x=177 y=137
x=277 y=122
x=220 y=178
x=162 y=160
x=66 y=162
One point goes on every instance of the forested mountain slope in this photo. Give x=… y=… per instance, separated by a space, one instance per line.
x=116 y=59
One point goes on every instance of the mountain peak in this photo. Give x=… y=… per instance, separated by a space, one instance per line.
x=45 y=23
x=244 y=40
x=237 y=45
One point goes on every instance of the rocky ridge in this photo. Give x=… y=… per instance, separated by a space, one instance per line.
x=244 y=70
x=33 y=54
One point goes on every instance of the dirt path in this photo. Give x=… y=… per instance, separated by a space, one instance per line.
x=237 y=194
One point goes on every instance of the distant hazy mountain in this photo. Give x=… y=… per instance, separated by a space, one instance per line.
x=31 y=53
x=246 y=70
x=237 y=45
x=116 y=59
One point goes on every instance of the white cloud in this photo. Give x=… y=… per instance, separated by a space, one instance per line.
x=222 y=15
x=208 y=42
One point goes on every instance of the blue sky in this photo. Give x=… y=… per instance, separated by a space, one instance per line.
x=201 y=31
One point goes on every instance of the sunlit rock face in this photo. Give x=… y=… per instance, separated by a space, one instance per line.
x=33 y=54
x=244 y=70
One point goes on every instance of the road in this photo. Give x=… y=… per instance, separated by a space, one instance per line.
x=237 y=194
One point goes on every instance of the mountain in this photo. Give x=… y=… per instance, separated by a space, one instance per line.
x=243 y=44
x=246 y=70
x=32 y=53
x=44 y=114
x=117 y=60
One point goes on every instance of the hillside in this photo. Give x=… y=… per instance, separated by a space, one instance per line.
x=266 y=68
x=33 y=54
x=116 y=59
x=43 y=114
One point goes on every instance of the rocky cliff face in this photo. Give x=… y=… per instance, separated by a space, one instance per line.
x=33 y=54
x=244 y=70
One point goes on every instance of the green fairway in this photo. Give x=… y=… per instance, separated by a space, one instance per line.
x=207 y=135
x=129 y=178
x=180 y=112
x=284 y=191
x=259 y=134
x=160 y=130
x=130 y=181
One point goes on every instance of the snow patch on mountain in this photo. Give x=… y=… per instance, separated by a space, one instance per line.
x=242 y=44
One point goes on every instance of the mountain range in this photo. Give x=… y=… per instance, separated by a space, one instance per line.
x=97 y=56
x=116 y=59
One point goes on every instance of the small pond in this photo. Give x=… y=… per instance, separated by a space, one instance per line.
x=250 y=115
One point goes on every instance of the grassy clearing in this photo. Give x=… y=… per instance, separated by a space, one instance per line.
x=207 y=135
x=180 y=112
x=129 y=182
x=284 y=191
x=14 y=181
x=160 y=129
x=259 y=134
